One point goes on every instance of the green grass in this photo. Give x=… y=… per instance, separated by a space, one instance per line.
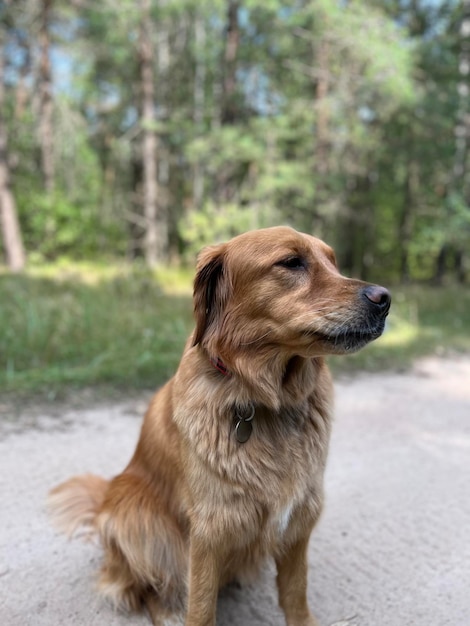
x=80 y=326
x=86 y=327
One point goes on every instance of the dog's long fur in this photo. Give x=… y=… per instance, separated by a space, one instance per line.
x=195 y=508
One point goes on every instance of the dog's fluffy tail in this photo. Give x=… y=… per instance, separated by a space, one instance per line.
x=75 y=504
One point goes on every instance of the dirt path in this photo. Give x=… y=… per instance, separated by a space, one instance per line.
x=392 y=549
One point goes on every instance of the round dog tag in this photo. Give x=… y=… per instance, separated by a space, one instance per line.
x=243 y=431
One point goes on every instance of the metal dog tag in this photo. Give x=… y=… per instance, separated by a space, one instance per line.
x=244 y=427
x=243 y=431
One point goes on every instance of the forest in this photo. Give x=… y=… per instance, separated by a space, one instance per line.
x=145 y=129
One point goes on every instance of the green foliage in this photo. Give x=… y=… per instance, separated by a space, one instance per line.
x=227 y=146
x=67 y=221
x=214 y=224
x=344 y=123
x=456 y=224
x=59 y=227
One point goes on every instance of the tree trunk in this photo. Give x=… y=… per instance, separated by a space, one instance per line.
x=198 y=116
x=359 y=228
x=460 y=271
x=321 y=106
x=459 y=178
x=321 y=143
x=21 y=95
x=152 y=242
x=46 y=104
x=441 y=265
x=462 y=124
x=163 y=155
x=229 y=112
x=405 y=226
x=11 y=233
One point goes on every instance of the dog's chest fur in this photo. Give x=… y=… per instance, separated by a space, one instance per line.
x=259 y=492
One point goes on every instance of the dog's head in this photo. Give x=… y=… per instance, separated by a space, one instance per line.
x=277 y=288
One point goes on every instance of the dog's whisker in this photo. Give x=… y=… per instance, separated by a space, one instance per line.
x=258 y=339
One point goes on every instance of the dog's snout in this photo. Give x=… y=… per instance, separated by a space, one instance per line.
x=378 y=296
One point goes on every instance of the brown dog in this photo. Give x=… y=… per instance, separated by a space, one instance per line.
x=229 y=466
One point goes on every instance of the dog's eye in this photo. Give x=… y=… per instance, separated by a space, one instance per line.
x=293 y=263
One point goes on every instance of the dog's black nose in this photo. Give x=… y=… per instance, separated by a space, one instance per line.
x=378 y=296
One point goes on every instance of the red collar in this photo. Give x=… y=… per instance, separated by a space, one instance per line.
x=220 y=366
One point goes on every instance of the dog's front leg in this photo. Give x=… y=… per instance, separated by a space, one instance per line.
x=204 y=574
x=292 y=584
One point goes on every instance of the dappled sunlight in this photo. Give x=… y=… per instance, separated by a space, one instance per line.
x=171 y=280
x=399 y=333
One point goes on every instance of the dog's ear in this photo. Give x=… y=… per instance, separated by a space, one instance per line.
x=211 y=290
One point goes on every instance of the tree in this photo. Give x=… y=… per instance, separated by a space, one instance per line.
x=457 y=228
x=154 y=238
x=11 y=233
x=190 y=121
x=46 y=103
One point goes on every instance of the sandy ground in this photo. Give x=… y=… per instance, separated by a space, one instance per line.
x=392 y=548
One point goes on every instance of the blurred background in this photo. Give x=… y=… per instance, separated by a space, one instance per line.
x=134 y=132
